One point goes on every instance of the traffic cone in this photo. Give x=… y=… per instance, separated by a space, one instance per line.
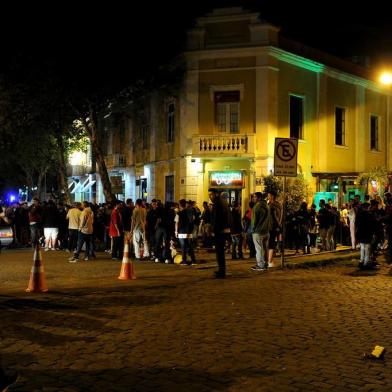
x=37 y=282
x=127 y=271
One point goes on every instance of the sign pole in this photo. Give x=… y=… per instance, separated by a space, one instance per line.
x=285 y=165
x=283 y=224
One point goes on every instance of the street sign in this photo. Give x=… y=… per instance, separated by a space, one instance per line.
x=285 y=158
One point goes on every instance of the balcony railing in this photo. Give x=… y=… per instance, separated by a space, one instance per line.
x=116 y=160
x=226 y=145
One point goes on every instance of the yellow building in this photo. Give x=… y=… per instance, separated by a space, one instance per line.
x=243 y=86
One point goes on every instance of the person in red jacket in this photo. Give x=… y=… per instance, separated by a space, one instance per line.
x=116 y=231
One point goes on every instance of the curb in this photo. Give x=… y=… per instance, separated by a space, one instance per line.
x=347 y=260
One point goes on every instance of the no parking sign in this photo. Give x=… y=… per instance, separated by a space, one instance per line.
x=285 y=158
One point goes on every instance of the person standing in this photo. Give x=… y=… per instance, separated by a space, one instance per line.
x=116 y=231
x=138 y=229
x=303 y=219
x=276 y=210
x=206 y=226
x=51 y=225
x=35 y=220
x=261 y=225
x=324 y=220
x=246 y=223
x=387 y=220
x=221 y=228
x=236 y=230
x=85 y=232
x=351 y=213
x=365 y=225
x=126 y=214
x=184 y=224
x=151 y=223
x=73 y=216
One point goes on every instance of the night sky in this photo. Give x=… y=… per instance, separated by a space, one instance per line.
x=117 y=41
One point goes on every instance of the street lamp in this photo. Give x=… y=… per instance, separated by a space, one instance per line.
x=386 y=78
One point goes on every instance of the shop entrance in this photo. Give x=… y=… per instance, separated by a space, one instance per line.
x=233 y=195
x=141 y=188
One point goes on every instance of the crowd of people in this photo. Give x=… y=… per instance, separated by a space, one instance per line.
x=155 y=230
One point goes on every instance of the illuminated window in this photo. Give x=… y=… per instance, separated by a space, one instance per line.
x=227 y=111
x=296 y=116
x=374 y=133
x=170 y=122
x=340 y=126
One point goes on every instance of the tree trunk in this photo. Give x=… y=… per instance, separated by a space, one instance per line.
x=99 y=157
x=90 y=126
x=103 y=172
x=63 y=170
x=41 y=178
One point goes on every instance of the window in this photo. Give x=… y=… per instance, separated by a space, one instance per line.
x=296 y=116
x=169 y=188
x=374 y=133
x=340 y=126
x=227 y=111
x=144 y=137
x=170 y=122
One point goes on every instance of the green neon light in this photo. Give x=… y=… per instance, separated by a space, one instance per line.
x=296 y=60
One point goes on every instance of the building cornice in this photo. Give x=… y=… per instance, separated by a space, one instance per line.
x=224 y=18
x=287 y=57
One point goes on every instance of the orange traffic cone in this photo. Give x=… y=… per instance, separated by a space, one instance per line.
x=37 y=282
x=127 y=271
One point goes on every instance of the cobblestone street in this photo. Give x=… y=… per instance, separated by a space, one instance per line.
x=176 y=329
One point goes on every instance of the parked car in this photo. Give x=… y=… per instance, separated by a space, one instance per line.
x=6 y=236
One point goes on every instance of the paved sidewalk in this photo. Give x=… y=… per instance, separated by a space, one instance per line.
x=177 y=329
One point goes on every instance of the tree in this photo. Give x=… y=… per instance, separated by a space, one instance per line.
x=273 y=183
x=379 y=174
x=297 y=191
x=88 y=113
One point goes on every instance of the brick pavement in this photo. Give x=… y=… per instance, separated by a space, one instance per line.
x=176 y=329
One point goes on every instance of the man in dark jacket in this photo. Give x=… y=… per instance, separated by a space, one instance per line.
x=365 y=227
x=220 y=221
x=324 y=223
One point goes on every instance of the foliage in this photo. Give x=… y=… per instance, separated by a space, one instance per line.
x=298 y=190
x=273 y=183
x=75 y=139
x=379 y=174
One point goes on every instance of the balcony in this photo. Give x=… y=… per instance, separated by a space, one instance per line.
x=223 y=145
x=116 y=160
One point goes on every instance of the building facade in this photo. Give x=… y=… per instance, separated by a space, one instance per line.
x=243 y=86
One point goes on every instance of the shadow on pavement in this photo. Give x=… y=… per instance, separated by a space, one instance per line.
x=362 y=273
x=26 y=303
x=136 y=380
